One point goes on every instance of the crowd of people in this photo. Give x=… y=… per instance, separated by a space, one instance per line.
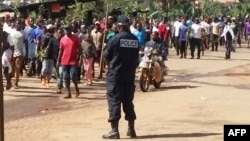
x=46 y=49
x=42 y=45
x=38 y=44
x=209 y=33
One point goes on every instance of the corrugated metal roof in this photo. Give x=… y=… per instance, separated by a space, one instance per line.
x=4 y=8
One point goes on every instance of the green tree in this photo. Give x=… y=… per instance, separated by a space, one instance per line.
x=211 y=8
x=241 y=8
x=127 y=6
x=79 y=10
x=174 y=8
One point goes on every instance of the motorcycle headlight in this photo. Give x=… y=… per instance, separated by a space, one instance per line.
x=147 y=51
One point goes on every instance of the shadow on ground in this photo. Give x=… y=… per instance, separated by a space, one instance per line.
x=177 y=87
x=178 y=135
x=45 y=96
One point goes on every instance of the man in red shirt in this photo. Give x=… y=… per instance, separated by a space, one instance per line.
x=164 y=30
x=68 y=58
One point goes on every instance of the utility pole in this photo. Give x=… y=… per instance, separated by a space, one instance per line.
x=1 y=92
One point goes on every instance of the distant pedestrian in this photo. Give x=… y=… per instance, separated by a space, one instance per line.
x=183 y=39
x=88 y=54
x=196 y=30
x=48 y=58
x=20 y=41
x=6 y=58
x=228 y=35
x=247 y=31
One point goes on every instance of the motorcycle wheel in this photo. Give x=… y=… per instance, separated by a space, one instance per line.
x=157 y=85
x=144 y=80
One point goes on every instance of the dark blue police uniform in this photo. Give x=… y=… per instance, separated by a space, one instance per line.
x=122 y=53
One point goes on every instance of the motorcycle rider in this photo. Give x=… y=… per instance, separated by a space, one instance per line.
x=159 y=45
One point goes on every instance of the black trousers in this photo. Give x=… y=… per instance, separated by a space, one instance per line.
x=32 y=66
x=7 y=75
x=195 y=42
x=229 y=45
x=183 y=48
x=177 y=45
x=120 y=93
x=215 y=42
x=38 y=66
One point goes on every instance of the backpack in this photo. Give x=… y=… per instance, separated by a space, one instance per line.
x=88 y=49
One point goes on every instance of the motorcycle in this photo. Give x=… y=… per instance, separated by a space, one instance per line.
x=151 y=71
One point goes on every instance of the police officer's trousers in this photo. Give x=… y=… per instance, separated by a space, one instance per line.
x=120 y=93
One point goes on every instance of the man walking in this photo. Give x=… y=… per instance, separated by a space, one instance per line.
x=68 y=59
x=20 y=41
x=196 y=38
x=122 y=57
x=229 y=36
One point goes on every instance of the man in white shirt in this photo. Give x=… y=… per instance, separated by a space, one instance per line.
x=206 y=27
x=6 y=64
x=9 y=26
x=196 y=38
x=20 y=42
x=229 y=36
x=215 y=34
x=6 y=57
x=177 y=25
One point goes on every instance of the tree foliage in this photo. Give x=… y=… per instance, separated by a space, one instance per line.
x=239 y=8
x=160 y=8
x=211 y=8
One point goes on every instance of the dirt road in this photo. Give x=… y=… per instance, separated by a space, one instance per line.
x=197 y=99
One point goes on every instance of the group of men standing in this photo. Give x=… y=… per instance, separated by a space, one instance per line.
x=205 y=34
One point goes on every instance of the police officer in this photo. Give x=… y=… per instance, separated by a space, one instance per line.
x=122 y=57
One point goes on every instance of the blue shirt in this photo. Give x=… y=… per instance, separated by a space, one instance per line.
x=37 y=33
x=32 y=46
x=29 y=31
x=189 y=23
x=141 y=36
x=183 y=33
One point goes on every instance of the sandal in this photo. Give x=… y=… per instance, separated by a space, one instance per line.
x=88 y=83
x=59 y=91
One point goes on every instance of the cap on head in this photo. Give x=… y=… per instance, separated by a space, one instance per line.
x=123 y=20
x=49 y=26
x=7 y=16
x=83 y=26
x=97 y=22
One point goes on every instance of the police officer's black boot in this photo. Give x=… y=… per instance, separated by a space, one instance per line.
x=114 y=133
x=131 y=129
